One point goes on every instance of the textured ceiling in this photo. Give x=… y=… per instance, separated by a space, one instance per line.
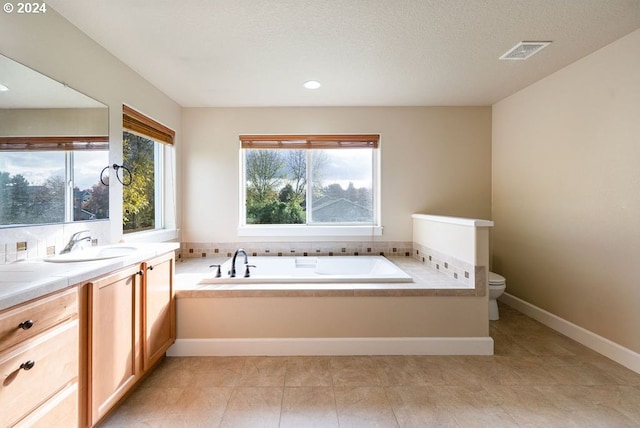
x=364 y=52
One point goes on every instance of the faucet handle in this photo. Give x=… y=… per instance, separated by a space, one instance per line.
x=82 y=232
x=218 y=273
x=247 y=274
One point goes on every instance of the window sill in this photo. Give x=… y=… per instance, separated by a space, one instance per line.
x=160 y=235
x=304 y=231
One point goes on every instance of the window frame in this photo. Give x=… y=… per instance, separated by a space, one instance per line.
x=311 y=142
x=135 y=122
x=67 y=146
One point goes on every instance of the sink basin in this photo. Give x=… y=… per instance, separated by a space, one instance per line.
x=92 y=254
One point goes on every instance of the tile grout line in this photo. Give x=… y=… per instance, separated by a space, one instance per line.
x=333 y=391
x=284 y=385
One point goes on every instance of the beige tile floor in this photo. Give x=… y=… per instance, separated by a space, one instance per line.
x=537 y=378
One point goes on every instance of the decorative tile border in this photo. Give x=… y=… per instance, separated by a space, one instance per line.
x=463 y=272
x=325 y=248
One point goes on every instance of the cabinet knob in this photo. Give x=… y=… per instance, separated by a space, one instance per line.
x=150 y=267
x=140 y=273
x=26 y=325
x=27 y=365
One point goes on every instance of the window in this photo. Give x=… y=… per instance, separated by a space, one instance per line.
x=90 y=195
x=52 y=179
x=315 y=181
x=144 y=141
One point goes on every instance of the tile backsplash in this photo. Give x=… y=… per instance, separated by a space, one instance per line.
x=325 y=248
x=35 y=242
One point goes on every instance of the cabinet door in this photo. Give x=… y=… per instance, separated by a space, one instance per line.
x=159 y=308
x=114 y=339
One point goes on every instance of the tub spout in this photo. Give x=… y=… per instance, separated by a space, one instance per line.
x=232 y=271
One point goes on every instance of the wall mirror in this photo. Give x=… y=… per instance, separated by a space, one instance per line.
x=54 y=143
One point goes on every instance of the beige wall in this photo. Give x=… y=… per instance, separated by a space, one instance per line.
x=434 y=160
x=54 y=122
x=247 y=317
x=566 y=192
x=48 y=43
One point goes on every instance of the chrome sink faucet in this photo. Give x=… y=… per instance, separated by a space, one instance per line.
x=232 y=271
x=77 y=241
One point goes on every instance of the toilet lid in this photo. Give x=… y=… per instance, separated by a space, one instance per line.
x=496 y=279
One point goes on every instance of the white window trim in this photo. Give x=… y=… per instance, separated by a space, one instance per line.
x=159 y=188
x=166 y=230
x=68 y=188
x=149 y=236
x=290 y=230
x=313 y=230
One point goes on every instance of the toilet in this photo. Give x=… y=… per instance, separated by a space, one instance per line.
x=497 y=285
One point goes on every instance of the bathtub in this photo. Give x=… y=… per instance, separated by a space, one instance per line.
x=328 y=269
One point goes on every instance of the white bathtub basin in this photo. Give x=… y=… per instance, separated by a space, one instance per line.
x=330 y=269
x=92 y=254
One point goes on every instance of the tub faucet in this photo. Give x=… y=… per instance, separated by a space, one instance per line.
x=232 y=271
x=76 y=241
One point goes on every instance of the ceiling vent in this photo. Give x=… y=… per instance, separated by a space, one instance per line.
x=524 y=50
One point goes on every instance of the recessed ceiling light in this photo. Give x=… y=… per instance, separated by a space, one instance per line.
x=524 y=50
x=312 y=84
x=3 y=88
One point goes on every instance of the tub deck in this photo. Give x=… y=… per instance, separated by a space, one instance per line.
x=426 y=282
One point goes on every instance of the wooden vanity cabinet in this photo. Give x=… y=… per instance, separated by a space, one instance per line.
x=66 y=359
x=114 y=339
x=39 y=362
x=159 y=309
x=131 y=325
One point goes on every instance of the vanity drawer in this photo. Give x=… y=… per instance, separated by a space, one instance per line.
x=26 y=321
x=60 y=411
x=33 y=372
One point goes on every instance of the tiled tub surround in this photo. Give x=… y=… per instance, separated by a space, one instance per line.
x=434 y=314
x=443 y=311
x=427 y=281
x=457 y=247
x=458 y=270
x=461 y=272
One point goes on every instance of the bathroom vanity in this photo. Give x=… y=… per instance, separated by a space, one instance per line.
x=69 y=356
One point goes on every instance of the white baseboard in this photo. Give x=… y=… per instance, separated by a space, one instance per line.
x=333 y=346
x=604 y=346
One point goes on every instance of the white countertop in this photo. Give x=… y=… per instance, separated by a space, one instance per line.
x=26 y=280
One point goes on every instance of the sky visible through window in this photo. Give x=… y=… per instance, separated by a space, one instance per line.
x=37 y=167
x=347 y=166
x=309 y=186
